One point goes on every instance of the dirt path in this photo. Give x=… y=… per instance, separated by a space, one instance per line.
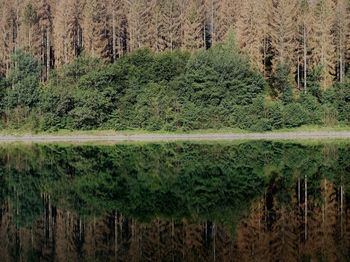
x=177 y=137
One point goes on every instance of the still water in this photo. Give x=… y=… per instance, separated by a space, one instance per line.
x=254 y=201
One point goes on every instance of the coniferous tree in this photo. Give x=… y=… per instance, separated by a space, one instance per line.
x=305 y=29
x=193 y=25
x=284 y=32
x=322 y=41
x=117 y=8
x=172 y=24
x=342 y=31
x=135 y=25
x=9 y=30
x=30 y=17
x=67 y=31
x=96 y=29
x=252 y=34
x=44 y=37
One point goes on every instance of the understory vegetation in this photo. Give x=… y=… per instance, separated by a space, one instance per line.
x=215 y=88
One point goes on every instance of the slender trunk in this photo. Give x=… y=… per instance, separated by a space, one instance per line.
x=116 y=236
x=48 y=53
x=212 y=22
x=114 y=37
x=341 y=208
x=341 y=74
x=298 y=73
x=305 y=221
x=214 y=242
x=30 y=38
x=305 y=59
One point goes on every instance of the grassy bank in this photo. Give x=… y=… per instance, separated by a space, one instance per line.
x=97 y=132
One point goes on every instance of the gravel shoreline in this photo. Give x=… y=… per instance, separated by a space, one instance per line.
x=317 y=135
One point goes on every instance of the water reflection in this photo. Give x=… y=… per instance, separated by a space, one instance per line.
x=257 y=201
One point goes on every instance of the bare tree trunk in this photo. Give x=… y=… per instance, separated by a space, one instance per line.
x=341 y=70
x=212 y=23
x=114 y=36
x=305 y=60
x=298 y=72
x=305 y=221
x=48 y=53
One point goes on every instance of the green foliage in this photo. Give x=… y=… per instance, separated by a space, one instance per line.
x=342 y=100
x=220 y=77
x=23 y=81
x=155 y=108
x=312 y=106
x=314 y=82
x=329 y=115
x=173 y=181
x=281 y=83
x=213 y=88
x=295 y=115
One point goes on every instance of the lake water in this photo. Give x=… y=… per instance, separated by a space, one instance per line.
x=253 y=201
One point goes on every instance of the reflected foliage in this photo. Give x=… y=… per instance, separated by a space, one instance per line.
x=180 y=192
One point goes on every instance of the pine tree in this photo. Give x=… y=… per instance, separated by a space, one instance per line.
x=342 y=31
x=172 y=24
x=223 y=18
x=305 y=26
x=157 y=26
x=322 y=41
x=193 y=25
x=67 y=31
x=96 y=29
x=284 y=32
x=30 y=18
x=44 y=37
x=135 y=25
x=252 y=33
x=9 y=28
x=117 y=9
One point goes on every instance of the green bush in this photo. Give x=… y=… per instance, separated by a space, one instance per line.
x=295 y=115
x=342 y=101
x=213 y=88
x=312 y=106
x=329 y=115
x=23 y=88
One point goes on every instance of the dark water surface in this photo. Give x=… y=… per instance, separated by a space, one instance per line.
x=254 y=201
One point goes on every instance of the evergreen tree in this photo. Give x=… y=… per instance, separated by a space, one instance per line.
x=282 y=83
x=23 y=80
x=322 y=41
x=193 y=25
x=284 y=32
x=96 y=29
x=67 y=31
x=252 y=33
x=342 y=32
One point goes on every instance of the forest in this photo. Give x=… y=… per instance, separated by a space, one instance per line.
x=174 y=65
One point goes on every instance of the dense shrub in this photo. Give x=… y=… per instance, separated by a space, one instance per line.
x=342 y=101
x=329 y=115
x=23 y=80
x=295 y=115
x=213 y=88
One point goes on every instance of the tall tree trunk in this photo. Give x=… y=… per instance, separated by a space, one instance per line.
x=305 y=59
x=48 y=53
x=114 y=37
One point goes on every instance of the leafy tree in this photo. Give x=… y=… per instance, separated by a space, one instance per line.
x=281 y=83
x=23 y=80
x=294 y=115
x=342 y=100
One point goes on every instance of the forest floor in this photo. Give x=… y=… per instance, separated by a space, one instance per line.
x=168 y=137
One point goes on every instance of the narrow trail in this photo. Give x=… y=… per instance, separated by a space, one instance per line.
x=317 y=135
